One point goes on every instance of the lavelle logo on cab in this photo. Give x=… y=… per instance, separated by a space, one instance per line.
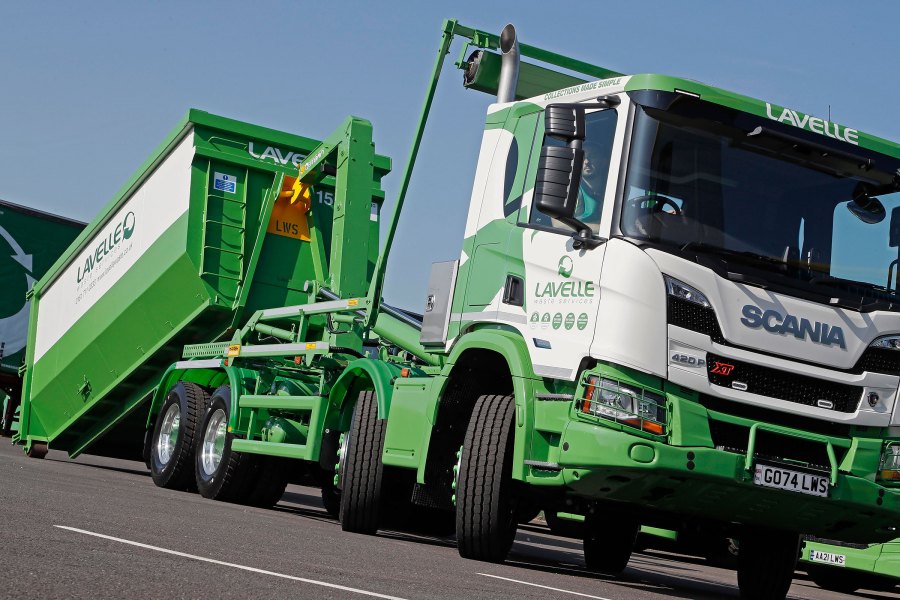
x=121 y=232
x=814 y=124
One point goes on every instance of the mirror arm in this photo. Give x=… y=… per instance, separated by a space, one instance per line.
x=582 y=236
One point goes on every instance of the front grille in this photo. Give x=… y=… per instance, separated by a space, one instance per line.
x=689 y=315
x=772 y=383
x=762 y=414
x=879 y=360
x=701 y=319
x=770 y=446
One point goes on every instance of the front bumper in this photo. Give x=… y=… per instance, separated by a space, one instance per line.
x=601 y=463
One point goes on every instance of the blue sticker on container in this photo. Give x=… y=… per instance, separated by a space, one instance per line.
x=225 y=183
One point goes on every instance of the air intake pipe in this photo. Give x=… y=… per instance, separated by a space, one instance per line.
x=509 y=67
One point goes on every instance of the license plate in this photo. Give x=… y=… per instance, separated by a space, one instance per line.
x=790 y=480
x=830 y=558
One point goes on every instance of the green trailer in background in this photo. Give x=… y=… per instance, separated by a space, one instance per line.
x=32 y=241
x=843 y=567
x=201 y=236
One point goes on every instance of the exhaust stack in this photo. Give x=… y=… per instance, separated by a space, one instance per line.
x=509 y=66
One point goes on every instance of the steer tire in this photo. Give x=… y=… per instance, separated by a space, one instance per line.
x=172 y=464
x=486 y=513
x=608 y=542
x=766 y=563
x=232 y=479
x=363 y=471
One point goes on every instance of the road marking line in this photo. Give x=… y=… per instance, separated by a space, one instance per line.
x=228 y=564
x=546 y=587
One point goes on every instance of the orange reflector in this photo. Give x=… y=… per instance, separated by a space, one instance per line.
x=404 y=372
x=889 y=475
x=653 y=427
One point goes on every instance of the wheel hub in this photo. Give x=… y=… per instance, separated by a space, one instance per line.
x=168 y=434
x=213 y=442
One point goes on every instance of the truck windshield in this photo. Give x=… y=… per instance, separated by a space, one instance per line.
x=754 y=193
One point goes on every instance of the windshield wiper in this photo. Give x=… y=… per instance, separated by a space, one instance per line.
x=746 y=255
x=847 y=285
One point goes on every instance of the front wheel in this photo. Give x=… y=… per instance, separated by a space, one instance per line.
x=486 y=514
x=171 y=447
x=766 y=563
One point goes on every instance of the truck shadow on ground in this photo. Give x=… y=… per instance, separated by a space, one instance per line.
x=140 y=472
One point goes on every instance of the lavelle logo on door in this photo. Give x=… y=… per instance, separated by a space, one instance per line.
x=566 y=266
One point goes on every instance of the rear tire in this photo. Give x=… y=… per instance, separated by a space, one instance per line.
x=609 y=542
x=220 y=473
x=766 y=563
x=331 y=497
x=486 y=514
x=174 y=435
x=272 y=479
x=362 y=468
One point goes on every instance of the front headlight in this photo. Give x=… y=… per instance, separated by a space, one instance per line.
x=680 y=289
x=625 y=404
x=890 y=462
x=888 y=342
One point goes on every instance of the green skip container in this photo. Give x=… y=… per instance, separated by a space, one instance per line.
x=199 y=238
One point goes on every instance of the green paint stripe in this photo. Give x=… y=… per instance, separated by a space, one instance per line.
x=742 y=103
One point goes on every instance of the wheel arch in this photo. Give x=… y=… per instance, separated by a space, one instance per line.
x=360 y=375
x=482 y=362
x=204 y=373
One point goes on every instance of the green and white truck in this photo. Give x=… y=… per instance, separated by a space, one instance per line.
x=32 y=241
x=675 y=306
x=843 y=567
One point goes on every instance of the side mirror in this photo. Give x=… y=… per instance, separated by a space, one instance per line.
x=565 y=122
x=559 y=170
x=894 y=235
x=558 y=177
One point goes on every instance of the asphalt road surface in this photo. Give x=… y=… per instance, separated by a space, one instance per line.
x=96 y=527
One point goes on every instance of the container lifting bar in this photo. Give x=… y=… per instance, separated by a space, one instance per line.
x=451 y=29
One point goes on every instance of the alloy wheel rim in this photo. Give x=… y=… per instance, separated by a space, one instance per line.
x=213 y=442
x=168 y=434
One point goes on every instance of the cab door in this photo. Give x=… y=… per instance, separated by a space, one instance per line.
x=562 y=284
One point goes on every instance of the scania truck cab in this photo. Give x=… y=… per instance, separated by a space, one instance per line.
x=674 y=306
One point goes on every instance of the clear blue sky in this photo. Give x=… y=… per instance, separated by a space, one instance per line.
x=88 y=89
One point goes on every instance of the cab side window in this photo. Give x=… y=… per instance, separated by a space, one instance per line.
x=600 y=129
